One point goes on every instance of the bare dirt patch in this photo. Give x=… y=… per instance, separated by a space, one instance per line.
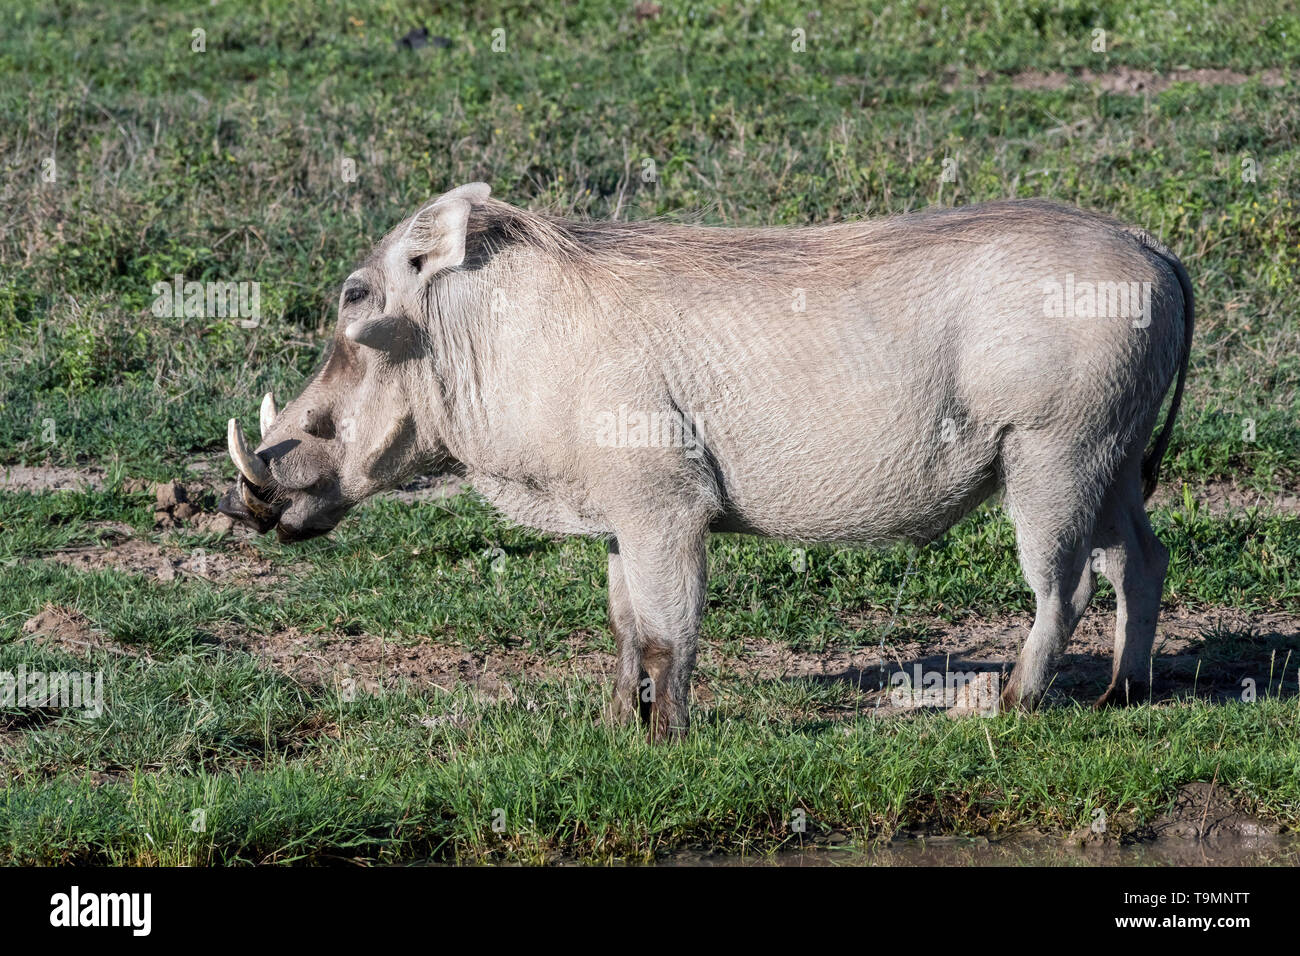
x=369 y=664
x=1221 y=497
x=1121 y=79
x=49 y=478
x=1263 y=649
x=120 y=551
x=70 y=631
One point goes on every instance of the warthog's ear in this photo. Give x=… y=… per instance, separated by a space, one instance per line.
x=435 y=239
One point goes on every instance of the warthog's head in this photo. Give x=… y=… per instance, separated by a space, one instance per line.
x=365 y=422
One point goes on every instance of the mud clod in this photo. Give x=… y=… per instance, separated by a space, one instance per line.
x=195 y=506
x=168 y=495
x=1209 y=813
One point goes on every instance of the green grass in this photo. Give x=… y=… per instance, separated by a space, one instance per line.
x=288 y=778
x=287 y=773
x=225 y=165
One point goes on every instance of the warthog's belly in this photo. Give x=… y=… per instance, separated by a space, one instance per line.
x=863 y=516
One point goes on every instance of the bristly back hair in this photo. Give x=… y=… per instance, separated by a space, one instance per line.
x=763 y=253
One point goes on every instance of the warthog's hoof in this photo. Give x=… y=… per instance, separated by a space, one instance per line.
x=622 y=710
x=667 y=724
x=1124 y=694
x=1013 y=699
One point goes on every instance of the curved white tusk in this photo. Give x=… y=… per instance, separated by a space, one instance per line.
x=251 y=502
x=249 y=465
x=267 y=416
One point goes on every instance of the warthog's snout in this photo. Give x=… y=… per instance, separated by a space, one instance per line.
x=249 y=500
x=243 y=504
x=235 y=503
x=257 y=501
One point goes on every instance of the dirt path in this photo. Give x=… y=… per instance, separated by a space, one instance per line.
x=1209 y=654
x=1227 y=497
x=1206 y=652
x=1121 y=79
x=49 y=478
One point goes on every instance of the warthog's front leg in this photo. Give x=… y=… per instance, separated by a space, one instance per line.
x=666 y=584
x=628 y=702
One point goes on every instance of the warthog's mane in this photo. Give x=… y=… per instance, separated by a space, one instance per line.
x=615 y=249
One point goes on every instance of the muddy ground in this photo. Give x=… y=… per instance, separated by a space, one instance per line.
x=1204 y=827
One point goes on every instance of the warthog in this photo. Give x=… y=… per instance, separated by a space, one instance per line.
x=857 y=383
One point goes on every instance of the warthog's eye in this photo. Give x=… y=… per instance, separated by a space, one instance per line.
x=355 y=294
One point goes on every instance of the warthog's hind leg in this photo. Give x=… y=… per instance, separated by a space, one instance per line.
x=1054 y=515
x=1063 y=586
x=1135 y=563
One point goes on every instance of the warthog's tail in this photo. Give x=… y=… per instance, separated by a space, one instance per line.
x=1151 y=460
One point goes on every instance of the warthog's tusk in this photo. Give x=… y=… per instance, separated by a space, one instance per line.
x=267 y=417
x=249 y=465
x=252 y=503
